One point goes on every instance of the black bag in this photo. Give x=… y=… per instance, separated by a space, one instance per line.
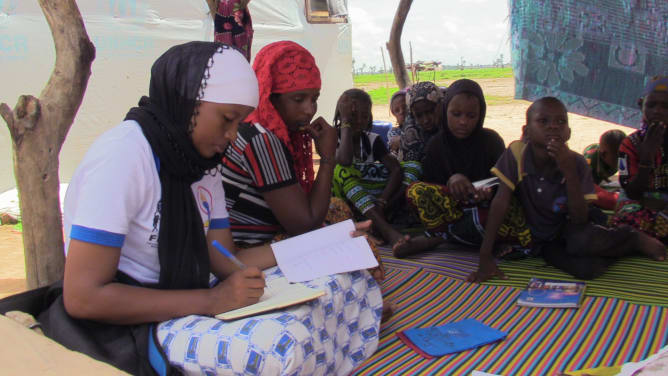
x=131 y=348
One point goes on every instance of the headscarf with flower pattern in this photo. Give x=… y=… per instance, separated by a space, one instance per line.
x=425 y=90
x=284 y=67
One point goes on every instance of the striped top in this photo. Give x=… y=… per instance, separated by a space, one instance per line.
x=255 y=163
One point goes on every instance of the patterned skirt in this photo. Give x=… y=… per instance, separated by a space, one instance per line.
x=633 y=213
x=361 y=183
x=445 y=216
x=330 y=335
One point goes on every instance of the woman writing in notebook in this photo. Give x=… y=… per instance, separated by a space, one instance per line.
x=142 y=212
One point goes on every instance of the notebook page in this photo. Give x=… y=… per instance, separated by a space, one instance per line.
x=343 y=254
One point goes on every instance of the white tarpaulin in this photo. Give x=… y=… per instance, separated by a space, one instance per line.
x=129 y=35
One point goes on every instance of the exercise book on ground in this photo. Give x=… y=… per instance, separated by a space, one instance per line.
x=325 y=251
x=278 y=293
x=551 y=293
x=450 y=338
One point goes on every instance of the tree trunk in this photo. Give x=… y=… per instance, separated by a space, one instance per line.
x=38 y=128
x=394 y=45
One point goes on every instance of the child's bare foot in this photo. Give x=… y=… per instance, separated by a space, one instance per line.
x=407 y=246
x=651 y=247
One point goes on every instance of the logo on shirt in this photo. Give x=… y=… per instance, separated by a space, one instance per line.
x=205 y=203
x=153 y=238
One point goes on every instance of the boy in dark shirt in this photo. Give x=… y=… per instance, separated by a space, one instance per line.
x=553 y=185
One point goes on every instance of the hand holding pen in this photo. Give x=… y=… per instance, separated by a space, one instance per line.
x=241 y=288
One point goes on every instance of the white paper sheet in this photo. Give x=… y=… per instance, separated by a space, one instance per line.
x=326 y=251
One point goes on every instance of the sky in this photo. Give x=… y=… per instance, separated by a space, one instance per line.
x=441 y=30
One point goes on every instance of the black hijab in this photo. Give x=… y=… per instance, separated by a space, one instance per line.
x=177 y=80
x=474 y=156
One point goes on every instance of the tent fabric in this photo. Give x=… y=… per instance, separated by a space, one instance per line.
x=596 y=56
x=602 y=332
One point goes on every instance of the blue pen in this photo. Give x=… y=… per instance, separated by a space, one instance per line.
x=228 y=254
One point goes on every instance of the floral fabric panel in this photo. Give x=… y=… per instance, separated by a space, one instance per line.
x=594 y=55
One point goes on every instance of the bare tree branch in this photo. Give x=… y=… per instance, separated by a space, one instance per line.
x=38 y=128
x=394 y=45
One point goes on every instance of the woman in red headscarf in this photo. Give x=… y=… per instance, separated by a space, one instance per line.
x=270 y=186
x=268 y=172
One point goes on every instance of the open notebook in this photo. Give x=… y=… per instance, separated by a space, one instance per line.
x=325 y=251
x=279 y=293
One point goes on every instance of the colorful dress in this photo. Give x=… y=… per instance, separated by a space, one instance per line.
x=233 y=26
x=365 y=179
x=632 y=212
x=440 y=213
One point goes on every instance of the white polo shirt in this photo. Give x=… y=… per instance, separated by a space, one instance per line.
x=114 y=197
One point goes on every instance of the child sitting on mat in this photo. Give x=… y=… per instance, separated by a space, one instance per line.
x=553 y=185
x=463 y=152
x=643 y=166
x=602 y=159
x=366 y=174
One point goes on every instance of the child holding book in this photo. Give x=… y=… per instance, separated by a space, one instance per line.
x=553 y=185
x=463 y=152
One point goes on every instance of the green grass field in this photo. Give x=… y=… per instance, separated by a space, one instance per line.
x=438 y=75
x=381 y=95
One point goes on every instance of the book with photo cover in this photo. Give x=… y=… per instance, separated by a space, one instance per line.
x=551 y=293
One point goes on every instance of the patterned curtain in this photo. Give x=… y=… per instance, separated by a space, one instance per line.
x=594 y=55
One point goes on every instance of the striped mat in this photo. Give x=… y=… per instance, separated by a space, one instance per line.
x=635 y=279
x=604 y=331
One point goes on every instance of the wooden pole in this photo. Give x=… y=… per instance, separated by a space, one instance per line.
x=394 y=44
x=382 y=54
x=38 y=127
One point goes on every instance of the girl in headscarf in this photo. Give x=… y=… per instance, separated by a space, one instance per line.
x=144 y=205
x=424 y=100
x=141 y=214
x=463 y=152
x=643 y=166
x=272 y=192
x=268 y=172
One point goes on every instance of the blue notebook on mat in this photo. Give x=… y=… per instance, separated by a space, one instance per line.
x=450 y=338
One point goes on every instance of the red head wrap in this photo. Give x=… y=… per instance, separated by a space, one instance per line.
x=284 y=67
